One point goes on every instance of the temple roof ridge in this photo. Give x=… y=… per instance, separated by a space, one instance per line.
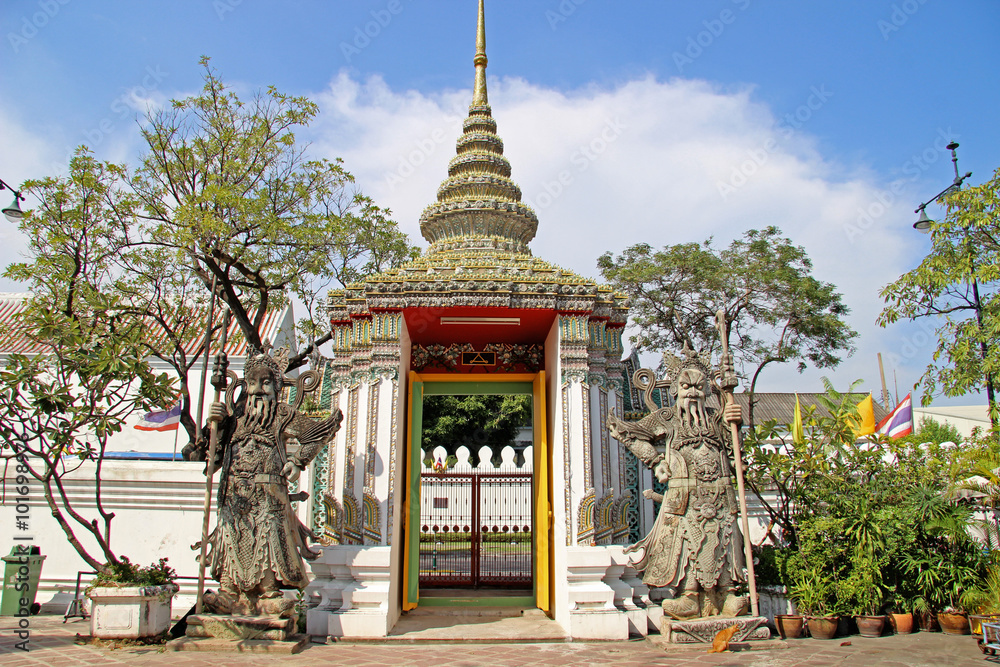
x=478 y=205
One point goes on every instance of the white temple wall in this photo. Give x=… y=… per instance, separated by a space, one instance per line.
x=158 y=508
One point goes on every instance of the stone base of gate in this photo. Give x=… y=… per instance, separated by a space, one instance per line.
x=592 y=610
x=349 y=596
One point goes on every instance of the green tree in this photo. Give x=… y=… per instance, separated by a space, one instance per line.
x=474 y=421
x=59 y=406
x=775 y=310
x=956 y=283
x=223 y=195
x=225 y=188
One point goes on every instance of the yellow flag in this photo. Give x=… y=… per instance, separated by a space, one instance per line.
x=798 y=436
x=865 y=424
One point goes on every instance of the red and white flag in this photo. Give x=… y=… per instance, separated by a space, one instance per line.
x=899 y=422
x=161 y=420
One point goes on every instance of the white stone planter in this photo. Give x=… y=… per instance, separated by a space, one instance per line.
x=130 y=612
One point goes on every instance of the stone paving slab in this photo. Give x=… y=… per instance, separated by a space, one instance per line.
x=52 y=645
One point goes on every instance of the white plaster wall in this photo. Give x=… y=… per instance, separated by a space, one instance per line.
x=158 y=508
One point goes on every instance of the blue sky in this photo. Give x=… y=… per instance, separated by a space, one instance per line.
x=711 y=117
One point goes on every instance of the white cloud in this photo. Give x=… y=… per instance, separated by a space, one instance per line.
x=609 y=167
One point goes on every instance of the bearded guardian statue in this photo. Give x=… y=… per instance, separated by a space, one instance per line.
x=695 y=546
x=258 y=543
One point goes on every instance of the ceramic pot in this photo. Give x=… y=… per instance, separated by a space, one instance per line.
x=789 y=625
x=954 y=624
x=976 y=621
x=902 y=624
x=870 y=626
x=822 y=627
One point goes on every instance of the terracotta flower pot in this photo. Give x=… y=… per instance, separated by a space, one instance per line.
x=870 y=626
x=902 y=624
x=823 y=627
x=954 y=624
x=789 y=625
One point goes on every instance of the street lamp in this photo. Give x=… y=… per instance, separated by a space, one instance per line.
x=13 y=212
x=923 y=223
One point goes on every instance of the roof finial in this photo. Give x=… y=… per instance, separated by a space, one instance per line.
x=479 y=93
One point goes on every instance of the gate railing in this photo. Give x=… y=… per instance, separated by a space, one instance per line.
x=476 y=529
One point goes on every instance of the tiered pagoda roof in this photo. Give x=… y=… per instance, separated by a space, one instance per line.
x=478 y=231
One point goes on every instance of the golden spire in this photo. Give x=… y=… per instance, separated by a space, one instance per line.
x=478 y=206
x=479 y=92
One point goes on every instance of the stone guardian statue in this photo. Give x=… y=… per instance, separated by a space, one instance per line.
x=258 y=545
x=695 y=547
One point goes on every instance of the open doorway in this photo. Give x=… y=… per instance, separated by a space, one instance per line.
x=476 y=450
x=476 y=495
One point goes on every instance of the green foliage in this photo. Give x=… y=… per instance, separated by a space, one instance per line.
x=473 y=421
x=91 y=373
x=957 y=284
x=776 y=312
x=124 y=572
x=871 y=525
x=222 y=193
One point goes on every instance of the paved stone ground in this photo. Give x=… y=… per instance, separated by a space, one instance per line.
x=52 y=644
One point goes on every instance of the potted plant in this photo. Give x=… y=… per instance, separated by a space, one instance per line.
x=131 y=602
x=900 y=619
x=982 y=600
x=813 y=595
x=960 y=567
x=861 y=591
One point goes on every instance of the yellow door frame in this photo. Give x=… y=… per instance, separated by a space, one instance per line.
x=542 y=491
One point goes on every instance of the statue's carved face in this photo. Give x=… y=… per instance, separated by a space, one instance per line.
x=691 y=397
x=262 y=395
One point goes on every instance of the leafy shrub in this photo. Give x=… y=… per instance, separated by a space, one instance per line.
x=127 y=573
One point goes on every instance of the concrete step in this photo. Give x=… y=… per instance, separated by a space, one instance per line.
x=478 y=625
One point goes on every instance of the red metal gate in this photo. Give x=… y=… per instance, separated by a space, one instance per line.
x=475 y=530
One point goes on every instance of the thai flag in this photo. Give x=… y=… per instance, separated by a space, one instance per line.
x=899 y=422
x=161 y=420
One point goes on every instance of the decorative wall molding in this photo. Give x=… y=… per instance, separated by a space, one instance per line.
x=585 y=520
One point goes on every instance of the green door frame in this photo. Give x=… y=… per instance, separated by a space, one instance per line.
x=532 y=384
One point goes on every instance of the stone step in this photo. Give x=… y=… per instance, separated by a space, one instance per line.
x=476 y=625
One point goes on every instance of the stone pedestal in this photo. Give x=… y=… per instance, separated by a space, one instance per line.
x=703 y=630
x=251 y=634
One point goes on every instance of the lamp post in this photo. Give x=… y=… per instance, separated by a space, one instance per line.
x=923 y=225
x=13 y=212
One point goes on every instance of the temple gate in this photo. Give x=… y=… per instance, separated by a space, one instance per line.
x=475 y=313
